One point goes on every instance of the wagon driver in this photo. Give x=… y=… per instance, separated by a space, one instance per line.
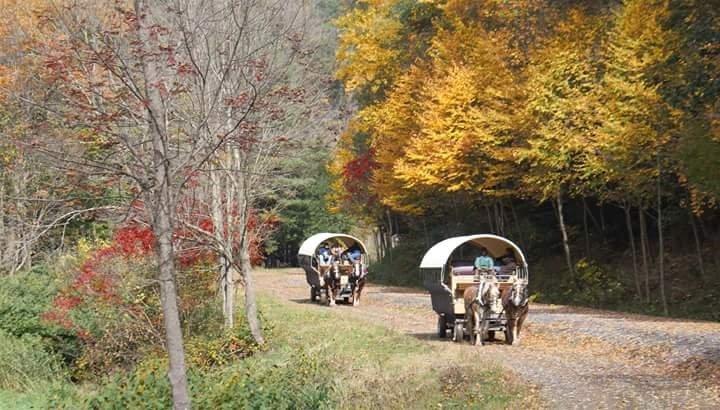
x=483 y=262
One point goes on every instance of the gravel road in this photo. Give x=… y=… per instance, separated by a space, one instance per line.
x=575 y=357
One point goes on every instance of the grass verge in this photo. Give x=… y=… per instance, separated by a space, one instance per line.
x=371 y=366
x=317 y=358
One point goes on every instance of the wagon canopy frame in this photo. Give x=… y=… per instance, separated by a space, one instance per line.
x=438 y=255
x=311 y=244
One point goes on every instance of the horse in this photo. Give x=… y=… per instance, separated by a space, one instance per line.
x=358 y=282
x=331 y=283
x=515 y=303
x=480 y=301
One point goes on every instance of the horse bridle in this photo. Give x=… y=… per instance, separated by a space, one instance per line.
x=514 y=290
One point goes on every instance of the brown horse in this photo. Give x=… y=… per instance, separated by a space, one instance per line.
x=515 y=302
x=358 y=282
x=331 y=283
x=480 y=301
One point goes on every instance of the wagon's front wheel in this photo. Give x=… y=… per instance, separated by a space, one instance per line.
x=442 y=327
x=459 y=332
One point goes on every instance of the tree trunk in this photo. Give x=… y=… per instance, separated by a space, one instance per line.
x=171 y=316
x=661 y=248
x=224 y=264
x=521 y=236
x=563 y=231
x=490 y=219
x=251 y=310
x=585 y=229
x=631 y=238
x=698 y=247
x=378 y=244
x=425 y=233
x=499 y=223
x=390 y=235
x=644 y=248
x=162 y=212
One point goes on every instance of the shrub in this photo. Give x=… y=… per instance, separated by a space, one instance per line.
x=299 y=383
x=207 y=352
x=24 y=297
x=593 y=286
x=147 y=387
x=402 y=268
x=111 y=301
x=26 y=364
x=296 y=384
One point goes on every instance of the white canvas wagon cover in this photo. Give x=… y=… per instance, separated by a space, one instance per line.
x=311 y=244
x=438 y=255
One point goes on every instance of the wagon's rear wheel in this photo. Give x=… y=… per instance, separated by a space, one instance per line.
x=442 y=327
x=459 y=332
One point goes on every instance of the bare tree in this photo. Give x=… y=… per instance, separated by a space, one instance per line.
x=162 y=87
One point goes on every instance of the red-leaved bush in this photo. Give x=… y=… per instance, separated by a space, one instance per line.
x=111 y=301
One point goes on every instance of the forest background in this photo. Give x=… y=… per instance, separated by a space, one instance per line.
x=152 y=153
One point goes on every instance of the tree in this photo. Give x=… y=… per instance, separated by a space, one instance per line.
x=639 y=123
x=163 y=86
x=562 y=117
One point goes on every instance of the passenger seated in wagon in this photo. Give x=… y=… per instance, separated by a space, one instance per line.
x=353 y=255
x=324 y=257
x=483 y=263
x=336 y=253
x=507 y=264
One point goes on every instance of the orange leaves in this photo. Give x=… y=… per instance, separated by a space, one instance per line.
x=445 y=123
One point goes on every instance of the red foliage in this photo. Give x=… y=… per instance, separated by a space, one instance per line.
x=356 y=179
x=134 y=241
x=91 y=284
x=357 y=171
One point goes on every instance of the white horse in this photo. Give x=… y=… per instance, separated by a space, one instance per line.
x=480 y=301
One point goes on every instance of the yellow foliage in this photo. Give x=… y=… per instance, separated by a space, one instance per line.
x=368 y=47
x=465 y=119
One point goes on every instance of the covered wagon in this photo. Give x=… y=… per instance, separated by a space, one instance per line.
x=451 y=266
x=335 y=267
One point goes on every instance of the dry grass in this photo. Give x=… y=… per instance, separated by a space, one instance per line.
x=374 y=367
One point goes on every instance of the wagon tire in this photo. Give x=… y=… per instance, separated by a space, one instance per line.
x=459 y=332
x=491 y=335
x=442 y=327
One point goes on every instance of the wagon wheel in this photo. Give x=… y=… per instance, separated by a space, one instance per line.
x=459 y=332
x=346 y=300
x=442 y=327
x=491 y=335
